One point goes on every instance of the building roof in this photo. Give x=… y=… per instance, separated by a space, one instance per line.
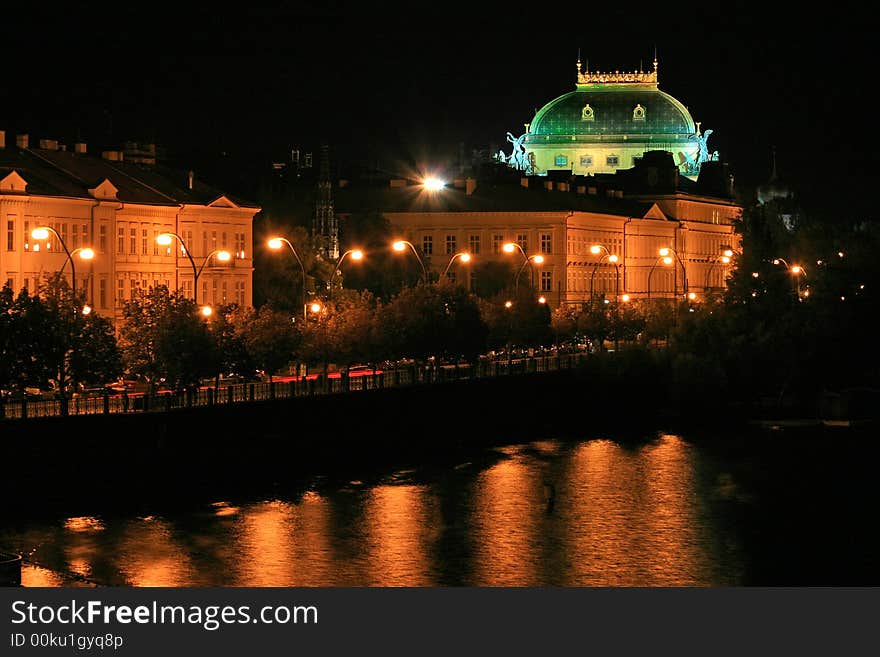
x=487 y=196
x=62 y=173
x=612 y=111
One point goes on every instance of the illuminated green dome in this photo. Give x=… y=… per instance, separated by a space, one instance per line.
x=608 y=122
x=615 y=111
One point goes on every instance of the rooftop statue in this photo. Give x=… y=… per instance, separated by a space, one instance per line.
x=517 y=159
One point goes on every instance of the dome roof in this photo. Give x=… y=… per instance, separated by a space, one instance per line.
x=613 y=110
x=628 y=105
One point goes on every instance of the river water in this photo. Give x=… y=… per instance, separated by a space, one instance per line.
x=657 y=509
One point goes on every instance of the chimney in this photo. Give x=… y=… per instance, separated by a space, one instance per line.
x=2 y=139
x=189 y=179
x=21 y=141
x=49 y=144
x=79 y=147
x=470 y=185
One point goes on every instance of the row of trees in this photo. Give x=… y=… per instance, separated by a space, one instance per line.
x=164 y=340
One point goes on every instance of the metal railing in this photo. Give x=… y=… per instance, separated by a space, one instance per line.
x=413 y=375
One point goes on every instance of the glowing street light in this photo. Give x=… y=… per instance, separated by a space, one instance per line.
x=85 y=253
x=596 y=249
x=433 y=184
x=667 y=259
x=463 y=256
x=276 y=243
x=511 y=247
x=356 y=254
x=724 y=258
x=400 y=245
x=165 y=239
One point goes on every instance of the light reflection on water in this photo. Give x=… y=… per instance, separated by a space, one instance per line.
x=620 y=516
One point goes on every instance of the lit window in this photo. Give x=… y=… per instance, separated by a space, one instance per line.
x=561 y=160
x=474 y=244
x=612 y=161
x=546 y=281
x=428 y=245
x=546 y=243
x=586 y=160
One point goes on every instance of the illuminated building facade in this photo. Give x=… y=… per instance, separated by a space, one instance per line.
x=608 y=121
x=632 y=214
x=118 y=208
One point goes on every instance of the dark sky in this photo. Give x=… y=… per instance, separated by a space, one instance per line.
x=384 y=82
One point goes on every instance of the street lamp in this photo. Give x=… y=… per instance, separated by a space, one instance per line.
x=165 y=239
x=276 y=243
x=465 y=257
x=667 y=260
x=400 y=245
x=356 y=254
x=510 y=247
x=723 y=258
x=42 y=233
x=794 y=270
x=613 y=259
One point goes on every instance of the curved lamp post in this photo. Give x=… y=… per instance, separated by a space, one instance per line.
x=724 y=258
x=276 y=243
x=794 y=270
x=667 y=259
x=465 y=257
x=42 y=233
x=613 y=259
x=510 y=247
x=400 y=245
x=356 y=254
x=223 y=255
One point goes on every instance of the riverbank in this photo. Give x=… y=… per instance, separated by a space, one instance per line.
x=255 y=445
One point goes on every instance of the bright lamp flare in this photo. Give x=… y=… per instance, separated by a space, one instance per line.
x=357 y=254
x=434 y=184
x=164 y=239
x=612 y=258
x=508 y=304
x=667 y=260
x=509 y=247
x=275 y=243
x=224 y=256
x=595 y=249
x=87 y=254
x=399 y=245
x=539 y=259
x=542 y=300
x=86 y=309
x=40 y=233
x=465 y=257
x=692 y=295
x=664 y=252
x=625 y=298
x=207 y=311
x=315 y=307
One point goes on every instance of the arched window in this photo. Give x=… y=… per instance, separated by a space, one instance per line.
x=587 y=113
x=639 y=113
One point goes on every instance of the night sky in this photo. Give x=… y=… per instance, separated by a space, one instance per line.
x=387 y=84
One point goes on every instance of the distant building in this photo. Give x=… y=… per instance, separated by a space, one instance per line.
x=632 y=214
x=117 y=204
